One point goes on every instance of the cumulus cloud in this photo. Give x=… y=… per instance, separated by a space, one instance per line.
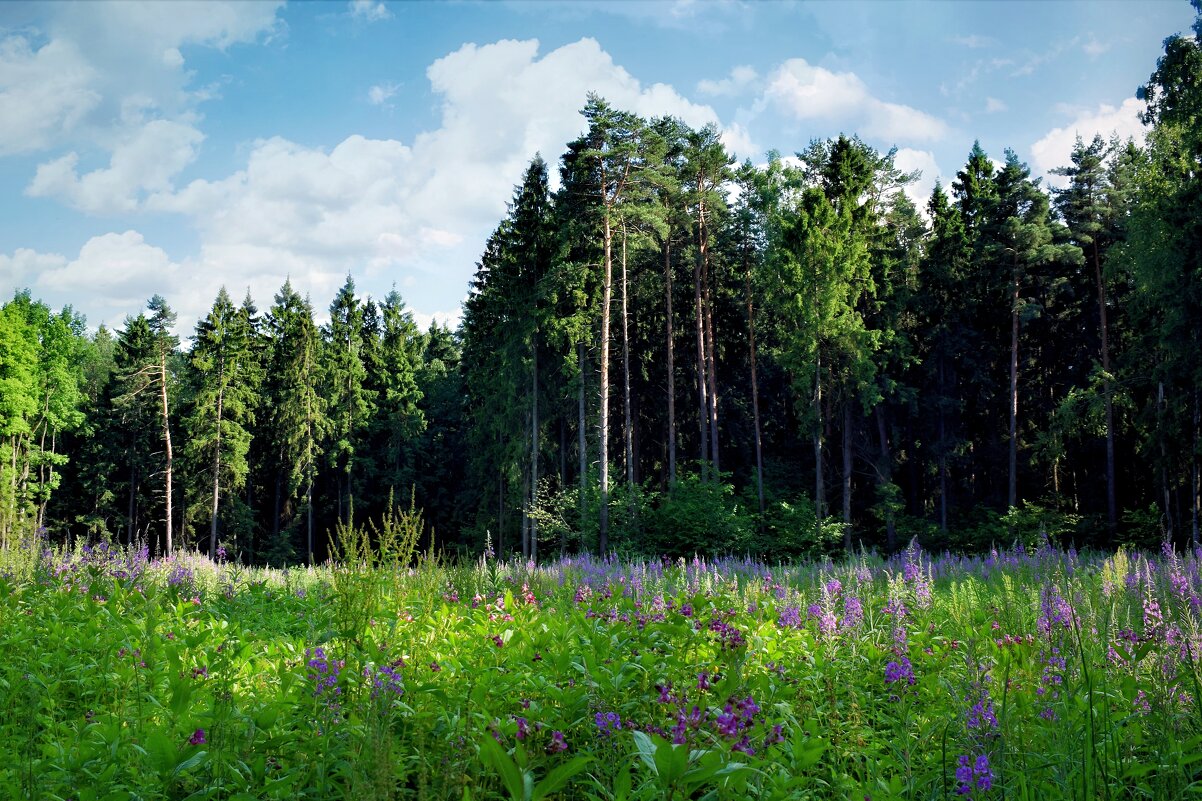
x=1055 y=148
x=412 y=213
x=908 y=160
x=808 y=92
x=145 y=162
x=97 y=55
x=44 y=93
x=993 y=105
x=740 y=79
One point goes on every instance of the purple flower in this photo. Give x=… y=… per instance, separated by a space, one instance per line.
x=197 y=738
x=789 y=618
x=558 y=743
x=607 y=723
x=901 y=671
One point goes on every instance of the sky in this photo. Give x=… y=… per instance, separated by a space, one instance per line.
x=174 y=148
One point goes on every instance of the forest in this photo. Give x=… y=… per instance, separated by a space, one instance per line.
x=673 y=353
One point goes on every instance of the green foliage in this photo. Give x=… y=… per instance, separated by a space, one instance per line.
x=700 y=517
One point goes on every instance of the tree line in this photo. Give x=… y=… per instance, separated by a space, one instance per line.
x=673 y=352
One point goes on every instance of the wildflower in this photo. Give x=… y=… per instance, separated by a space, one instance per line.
x=197 y=738
x=557 y=742
x=789 y=618
x=902 y=671
x=607 y=723
x=523 y=728
x=497 y=641
x=973 y=774
x=703 y=681
x=435 y=667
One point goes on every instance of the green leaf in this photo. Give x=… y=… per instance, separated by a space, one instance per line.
x=511 y=776
x=560 y=776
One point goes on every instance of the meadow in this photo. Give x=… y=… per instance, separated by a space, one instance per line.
x=1025 y=673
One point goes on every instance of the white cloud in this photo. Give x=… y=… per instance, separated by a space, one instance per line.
x=1055 y=148
x=740 y=79
x=369 y=10
x=21 y=269
x=738 y=142
x=117 y=273
x=110 y=81
x=412 y=213
x=44 y=93
x=908 y=160
x=808 y=92
x=146 y=162
x=993 y=105
x=381 y=93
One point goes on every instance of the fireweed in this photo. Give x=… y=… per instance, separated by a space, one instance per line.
x=221 y=679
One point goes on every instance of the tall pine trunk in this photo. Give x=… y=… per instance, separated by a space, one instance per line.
x=671 y=363
x=628 y=431
x=166 y=443
x=755 y=387
x=1111 y=502
x=1012 y=486
x=819 y=475
x=534 y=443
x=603 y=422
x=582 y=442
x=216 y=476
x=711 y=373
x=847 y=463
x=702 y=402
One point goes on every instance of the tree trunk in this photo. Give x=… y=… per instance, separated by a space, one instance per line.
x=942 y=449
x=755 y=387
x=1164 y=461
x=711 y=373
x=216 y=476
x=885 y=473
x=534 y=443
x=1196 y=482
x=671 y=364
x=133 y=505
x=819 y=478
x=1111 y=502
x=1012 y=486
x=628 y=432
x=166 y=442
x=847 y=462
x=582 y=443
x=603 y=422
x=702 y=403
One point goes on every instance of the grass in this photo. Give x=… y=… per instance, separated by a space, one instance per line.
x=1018 y=674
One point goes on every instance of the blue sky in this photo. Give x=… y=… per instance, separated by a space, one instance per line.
x=173 y=148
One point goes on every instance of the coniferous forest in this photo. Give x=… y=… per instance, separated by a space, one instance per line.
x=665 y=351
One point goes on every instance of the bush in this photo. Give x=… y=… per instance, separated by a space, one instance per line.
x=700 y=517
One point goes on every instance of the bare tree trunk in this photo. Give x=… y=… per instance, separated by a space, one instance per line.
x=702 y=403
x=603 y=422
x=534 y=443
x=671 y=364
x=1012 y=487
x=755 y=387
x=581 y=441
x=847 y=475
x=166 y=442
x=819 y=477
x=629 y=429
x=1164 y=461
x=216 y=476
x=942 y=449
x=711 y=368
x=1111 y=502
x=1196 y=482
